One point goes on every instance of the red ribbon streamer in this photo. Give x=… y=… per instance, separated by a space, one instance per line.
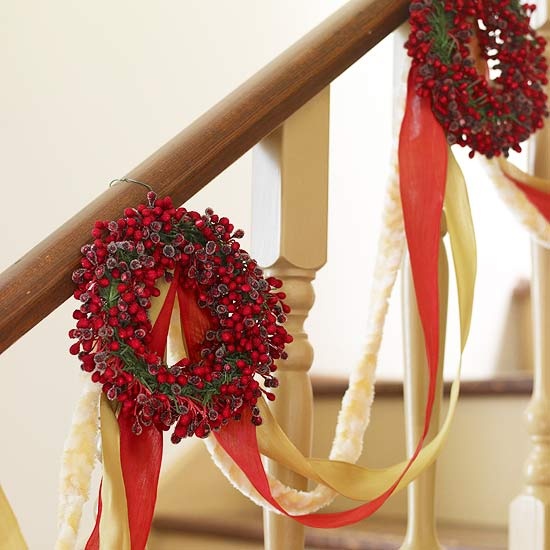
x=423 y=171
x=93 y=541
x=238 y=439
x=141 y=457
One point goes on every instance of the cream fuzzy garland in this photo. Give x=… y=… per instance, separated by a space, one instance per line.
x=354 y=415
x=78 y=462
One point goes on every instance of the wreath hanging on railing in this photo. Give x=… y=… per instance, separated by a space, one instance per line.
x=491 y=116
x=221 y=291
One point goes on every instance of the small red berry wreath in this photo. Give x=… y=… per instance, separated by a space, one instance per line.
x=489 y=116
x=117 y=279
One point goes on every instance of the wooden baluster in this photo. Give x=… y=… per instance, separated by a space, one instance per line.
x=289 y=239
x=530 y=511
x=421 y=522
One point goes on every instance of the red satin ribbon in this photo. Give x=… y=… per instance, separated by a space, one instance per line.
x=423 y=170
x=93 y=541
x=238 y=439
x=141 y=457
x=423 y=173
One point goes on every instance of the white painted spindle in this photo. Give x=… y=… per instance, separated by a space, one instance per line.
x=289 y=236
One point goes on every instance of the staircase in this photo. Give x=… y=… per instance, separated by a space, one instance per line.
x=282 y=110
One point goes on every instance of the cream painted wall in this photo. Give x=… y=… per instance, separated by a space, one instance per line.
x=89 y=90
x=479 y=471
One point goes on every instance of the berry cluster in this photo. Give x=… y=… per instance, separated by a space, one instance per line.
x=489 y=116
x=115 y=285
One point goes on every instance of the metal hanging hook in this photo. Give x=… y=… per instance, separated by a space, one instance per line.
x=129 y=180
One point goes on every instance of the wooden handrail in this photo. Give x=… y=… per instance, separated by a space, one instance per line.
x=40 y=281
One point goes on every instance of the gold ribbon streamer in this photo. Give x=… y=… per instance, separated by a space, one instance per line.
x=114 y=533
x=463 y=243
x=354 y=481
x=11 y=537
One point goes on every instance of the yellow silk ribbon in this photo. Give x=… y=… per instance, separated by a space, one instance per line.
x=463 y=243
x=354 y=481
x=11 y=537
x=114 y=533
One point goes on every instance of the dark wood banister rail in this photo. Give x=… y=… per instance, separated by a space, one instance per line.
x=40 y=281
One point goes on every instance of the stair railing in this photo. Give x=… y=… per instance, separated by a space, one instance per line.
x=40 y=281
x=286 y=106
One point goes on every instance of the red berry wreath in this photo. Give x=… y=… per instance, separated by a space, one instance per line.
x=489 y=116
x=243 y=311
